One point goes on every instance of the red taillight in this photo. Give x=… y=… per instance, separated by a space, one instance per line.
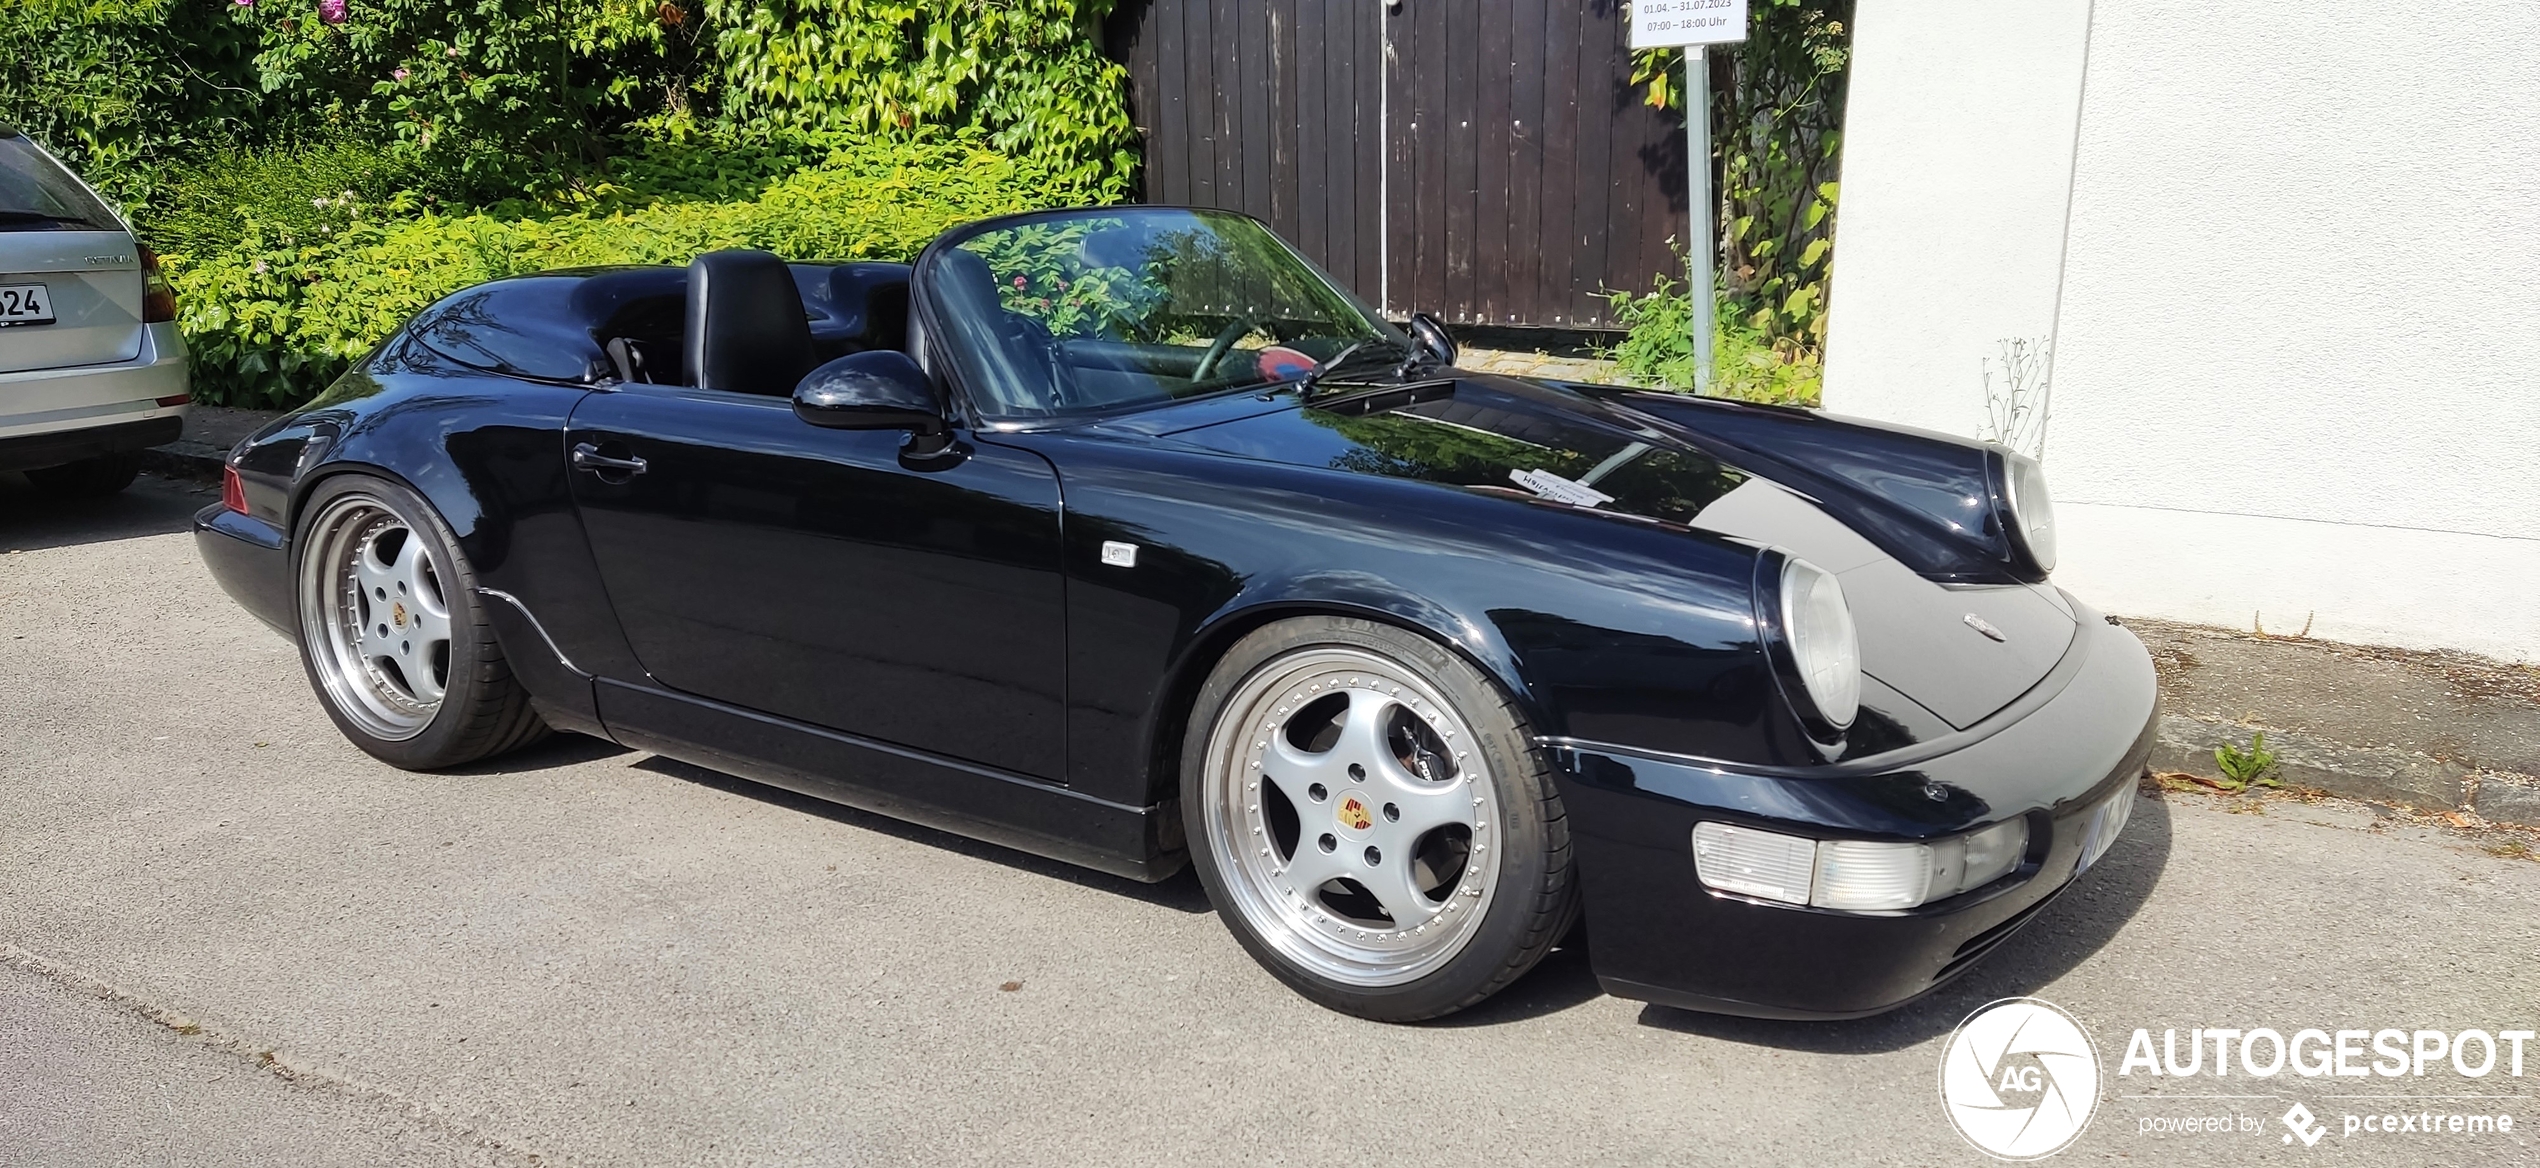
x=158 y=299
x=233 y=494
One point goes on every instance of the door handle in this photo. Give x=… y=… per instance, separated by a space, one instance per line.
x=588 y=457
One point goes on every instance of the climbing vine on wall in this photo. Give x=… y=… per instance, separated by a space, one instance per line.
x=1029 y=72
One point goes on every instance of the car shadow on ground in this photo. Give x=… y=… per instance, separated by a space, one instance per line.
x=31 y=520
x=2068 y=932
x=2061 y=937
x=1561 y=981
x=557 y=750
x=1180 y=891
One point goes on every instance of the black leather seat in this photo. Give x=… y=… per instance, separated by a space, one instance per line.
x=746 y=329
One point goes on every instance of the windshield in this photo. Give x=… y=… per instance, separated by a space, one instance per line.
x=36 y=194
x=1094 y=311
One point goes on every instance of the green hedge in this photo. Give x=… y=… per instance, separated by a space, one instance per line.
x=1746 y=362
x=276 y=315
x=122 y=88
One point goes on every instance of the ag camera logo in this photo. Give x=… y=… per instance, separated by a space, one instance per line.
x=2019 y=1079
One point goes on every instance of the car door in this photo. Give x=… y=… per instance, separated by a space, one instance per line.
x=809 y=573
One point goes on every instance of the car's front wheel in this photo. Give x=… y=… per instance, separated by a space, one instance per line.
x=392 y=632
x=1372 y=820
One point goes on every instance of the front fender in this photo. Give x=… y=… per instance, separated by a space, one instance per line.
x=1602 y=627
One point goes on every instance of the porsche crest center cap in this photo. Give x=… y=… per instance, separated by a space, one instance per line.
x=1354 y=815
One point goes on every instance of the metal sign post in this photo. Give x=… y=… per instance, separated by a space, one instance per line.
x=1696 y=25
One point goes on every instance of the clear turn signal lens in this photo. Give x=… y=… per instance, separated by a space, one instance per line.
x=1977 y=858
x=1854 y=875
x=1867 y=877
x=1765 y=864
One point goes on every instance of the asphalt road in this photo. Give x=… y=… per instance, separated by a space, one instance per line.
x=228 y=937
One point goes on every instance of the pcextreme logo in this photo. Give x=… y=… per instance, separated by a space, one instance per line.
x=2019 y=1079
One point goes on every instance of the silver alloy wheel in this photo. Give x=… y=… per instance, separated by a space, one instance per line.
x=1351 y=816
x=375 y=616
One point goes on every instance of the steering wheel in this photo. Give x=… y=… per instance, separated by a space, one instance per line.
x=1223 y=345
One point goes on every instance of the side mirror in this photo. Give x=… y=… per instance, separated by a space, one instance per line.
x=1432 y=336
x=877 y=390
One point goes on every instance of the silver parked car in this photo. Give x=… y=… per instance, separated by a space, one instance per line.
x=92 y=371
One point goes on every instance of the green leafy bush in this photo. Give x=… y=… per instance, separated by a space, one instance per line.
x=1028 y=72
x=274 y=317
x=496 y=96
x=1745 y=362
x=123 y=88
x=301 y=193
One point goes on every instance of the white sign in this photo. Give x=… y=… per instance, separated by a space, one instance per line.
x=1659 y=24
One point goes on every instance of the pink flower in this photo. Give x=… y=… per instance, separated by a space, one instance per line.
x=397 y=74
x=246 y=3
x=1020 y=281
x=331 y=11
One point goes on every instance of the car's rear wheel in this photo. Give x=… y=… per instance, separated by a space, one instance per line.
x=392 y=632
x=1372 y=820
x=89 y=478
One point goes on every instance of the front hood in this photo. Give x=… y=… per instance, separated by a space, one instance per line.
x=1539 y=445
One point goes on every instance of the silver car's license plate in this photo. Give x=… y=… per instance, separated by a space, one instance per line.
x=25 y=304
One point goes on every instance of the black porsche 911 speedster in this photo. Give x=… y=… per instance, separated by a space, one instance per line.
x=1126 y=537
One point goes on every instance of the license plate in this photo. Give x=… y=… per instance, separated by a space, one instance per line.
x=2101 y=830
x=25 y=304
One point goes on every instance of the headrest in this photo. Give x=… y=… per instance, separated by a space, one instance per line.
x=746 y=329
x=968 y=288
x=863 y=303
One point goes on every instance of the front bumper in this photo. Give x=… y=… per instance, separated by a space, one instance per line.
x=1655 y=933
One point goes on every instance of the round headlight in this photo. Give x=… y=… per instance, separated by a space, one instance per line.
x=2032 y=509
x=1824 y=648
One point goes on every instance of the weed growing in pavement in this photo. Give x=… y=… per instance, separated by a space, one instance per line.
x=2512 y=850
x=2242 y=768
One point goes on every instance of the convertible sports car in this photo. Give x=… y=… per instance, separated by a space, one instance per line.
x=1126 y=537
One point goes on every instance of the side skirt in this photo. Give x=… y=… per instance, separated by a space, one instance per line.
x=1017 y=811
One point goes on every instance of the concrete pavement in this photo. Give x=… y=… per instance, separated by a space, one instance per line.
x=224 y=931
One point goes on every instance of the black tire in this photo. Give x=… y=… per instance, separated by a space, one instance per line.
x=89 y=478
x=1532 y=899
x=483 y=709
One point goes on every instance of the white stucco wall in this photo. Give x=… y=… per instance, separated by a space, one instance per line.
x=2297 y=312
x=1958 y=143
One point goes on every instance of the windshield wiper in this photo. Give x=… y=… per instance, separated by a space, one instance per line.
x=1305 y=385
